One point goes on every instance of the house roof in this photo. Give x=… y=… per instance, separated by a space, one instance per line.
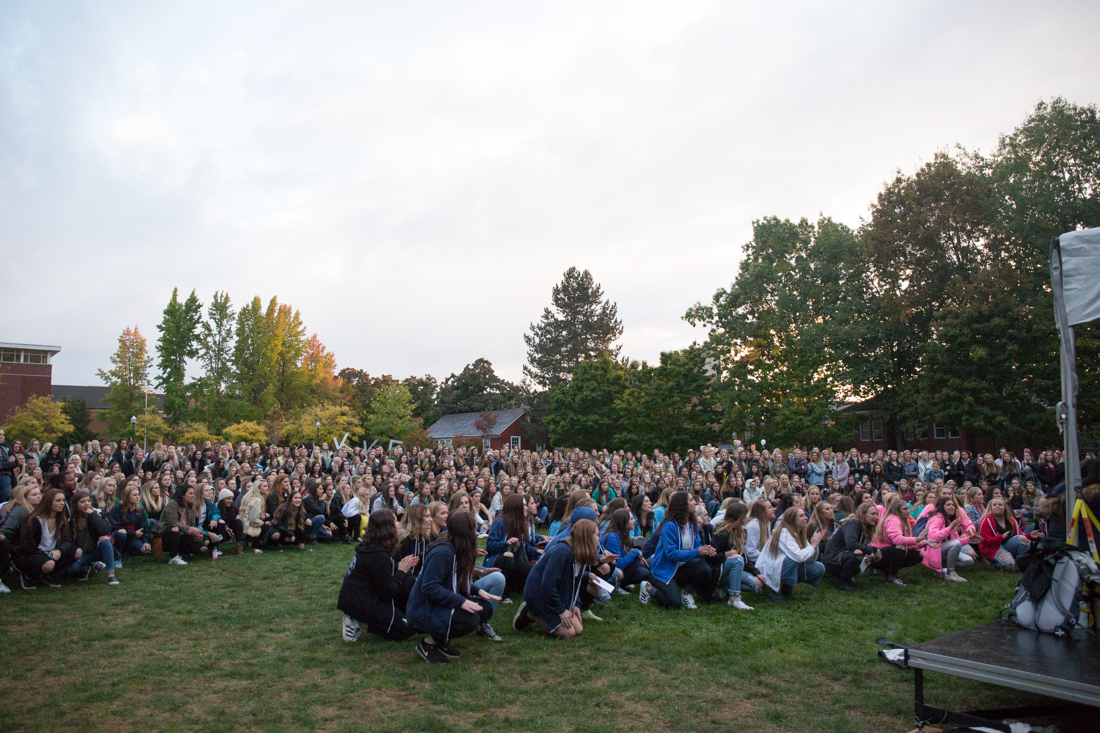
x=462 y=423
x=94 y=395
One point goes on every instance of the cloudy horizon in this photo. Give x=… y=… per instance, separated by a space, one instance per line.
x=415 y=179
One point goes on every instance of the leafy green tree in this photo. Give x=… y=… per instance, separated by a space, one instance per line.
x=477 y=388
x=252 y=356
x=390 y=415
x=178 y=342
x=585 y=412
x=247 y=431
x=38 y=418
x=127 y=380
x=80 y=417
x=424 y=391
x=776 y=334
x=286 y=346
x=672 y=406
x=581 y=326
x=216 y=357
x=335 y=421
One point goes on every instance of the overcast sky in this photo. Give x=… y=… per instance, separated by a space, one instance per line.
x=415 y=177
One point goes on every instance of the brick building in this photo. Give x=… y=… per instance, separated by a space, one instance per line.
x=25 y=372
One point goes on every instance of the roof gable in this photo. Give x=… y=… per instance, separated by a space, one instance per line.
x=462 y=423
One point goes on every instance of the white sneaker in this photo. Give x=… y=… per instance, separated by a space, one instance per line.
x=643 y=593
x=688 y=601
x=257 y=551
x=4 y=588
x=351 y=630
x=736 y=602
x=952 y=575
x=97 y=566
x=177 y=560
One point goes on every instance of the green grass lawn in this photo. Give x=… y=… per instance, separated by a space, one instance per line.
x=252 y=644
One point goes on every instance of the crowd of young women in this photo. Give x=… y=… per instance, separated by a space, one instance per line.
x=566 y=529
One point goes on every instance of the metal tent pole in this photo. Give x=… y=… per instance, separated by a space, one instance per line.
x=1066 y=410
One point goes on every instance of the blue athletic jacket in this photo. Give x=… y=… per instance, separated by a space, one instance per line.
x=669 y=552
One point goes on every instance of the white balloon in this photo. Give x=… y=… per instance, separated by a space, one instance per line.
x=763 y=442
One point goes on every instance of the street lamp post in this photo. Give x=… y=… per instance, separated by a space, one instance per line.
x=145 y=440
x=133 y=427
x=317 y=439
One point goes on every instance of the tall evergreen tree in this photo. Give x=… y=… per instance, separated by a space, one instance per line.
x=216 y=358
x=80 y=417
x=581 y=326
x=178 y=342
x=127 y=379
x=478 y=388
x=252 y=362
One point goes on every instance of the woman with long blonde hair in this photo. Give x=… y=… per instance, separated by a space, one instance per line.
x=787 y=559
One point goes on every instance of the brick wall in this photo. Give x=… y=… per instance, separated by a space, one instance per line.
x=19 y=382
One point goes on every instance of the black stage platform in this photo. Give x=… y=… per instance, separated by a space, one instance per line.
x=1002 y=654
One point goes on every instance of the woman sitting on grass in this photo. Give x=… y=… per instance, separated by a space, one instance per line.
x=440 y=604
x=738 y=573
x=644 y=521
x=510 y=545
x=677 y=562
x=129 y=525
x=415 y=534
x=104 y=499
x=1001 y=540
x=787 y=559
x=154 y=494
x=551 y=596
x=254 y=519
x=851 y=545
x=289 y=525
x=376 y=587
x=758 y=529
x=618 y=540
x=897 y=547
x=46 y=544
x=24 y=499
x=229 y=519
x=93 y=536
x=179 y=527
x=944 y=548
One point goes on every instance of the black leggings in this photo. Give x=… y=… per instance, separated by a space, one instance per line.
x=5 y=556
x=635 y=573
x=182 y=543
x=694 y=573
x=464 y=622
x=399 y=630
x=31 y=565
x=515 y=571
x=893 y=560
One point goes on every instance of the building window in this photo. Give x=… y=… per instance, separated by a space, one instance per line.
x=939 y=432
x=515 y=442
x=444 y=441
x=876 y=430
x=485 y=445
x=954 y=432
x=11 y=356
x=865 y=431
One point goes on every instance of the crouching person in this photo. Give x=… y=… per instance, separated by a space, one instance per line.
x=46 y=543
x=376 y=587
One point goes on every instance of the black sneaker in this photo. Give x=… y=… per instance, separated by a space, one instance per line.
x=51 y=581
x=430 y=653
x=521 y=621
x=26 y=583
x=487 y=631
x=448 y=650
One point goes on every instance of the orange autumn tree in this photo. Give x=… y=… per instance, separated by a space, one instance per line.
x=319 y=366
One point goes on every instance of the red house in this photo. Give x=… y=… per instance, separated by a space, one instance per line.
x=507 y=430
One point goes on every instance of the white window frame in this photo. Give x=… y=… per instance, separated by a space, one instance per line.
x=444 y=441
x=516 y=442
x=486 y=444
x=954 y=433
x=876 y=430
x=939 y=432
x=865 y=432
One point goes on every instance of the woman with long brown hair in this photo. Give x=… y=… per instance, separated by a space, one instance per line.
x=376 y=587
x=441 y=605
x=737 y=572
x=46 y=544
x=510 y=545
x=787 y=559
x=551 y=597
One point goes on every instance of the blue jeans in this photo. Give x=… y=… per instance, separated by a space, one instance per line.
x=733 y=571
x=127 y=547
x=1015 y=547
x=493 y=584
x=802 y=572
x=317 y=528
x=104 y=552
x=5 y=488
x=544 y=512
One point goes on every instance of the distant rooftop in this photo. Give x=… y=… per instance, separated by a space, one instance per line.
x=26 y=353
x=462 y=423
x=94 y=395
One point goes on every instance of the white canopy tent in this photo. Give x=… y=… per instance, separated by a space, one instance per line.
x=1075 y=278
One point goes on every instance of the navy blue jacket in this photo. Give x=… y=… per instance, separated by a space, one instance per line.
x=435 y=596
x=553 y=584
x=497 y=544
x=612 y=543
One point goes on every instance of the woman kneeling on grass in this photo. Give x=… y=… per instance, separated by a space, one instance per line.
x=440 y=604
x=551 y=597
x=93 y=537
x=944 y=548
x=376 y=587
x=677 y=562
x=738 y=573
x=46 y=543
x=787 y=559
